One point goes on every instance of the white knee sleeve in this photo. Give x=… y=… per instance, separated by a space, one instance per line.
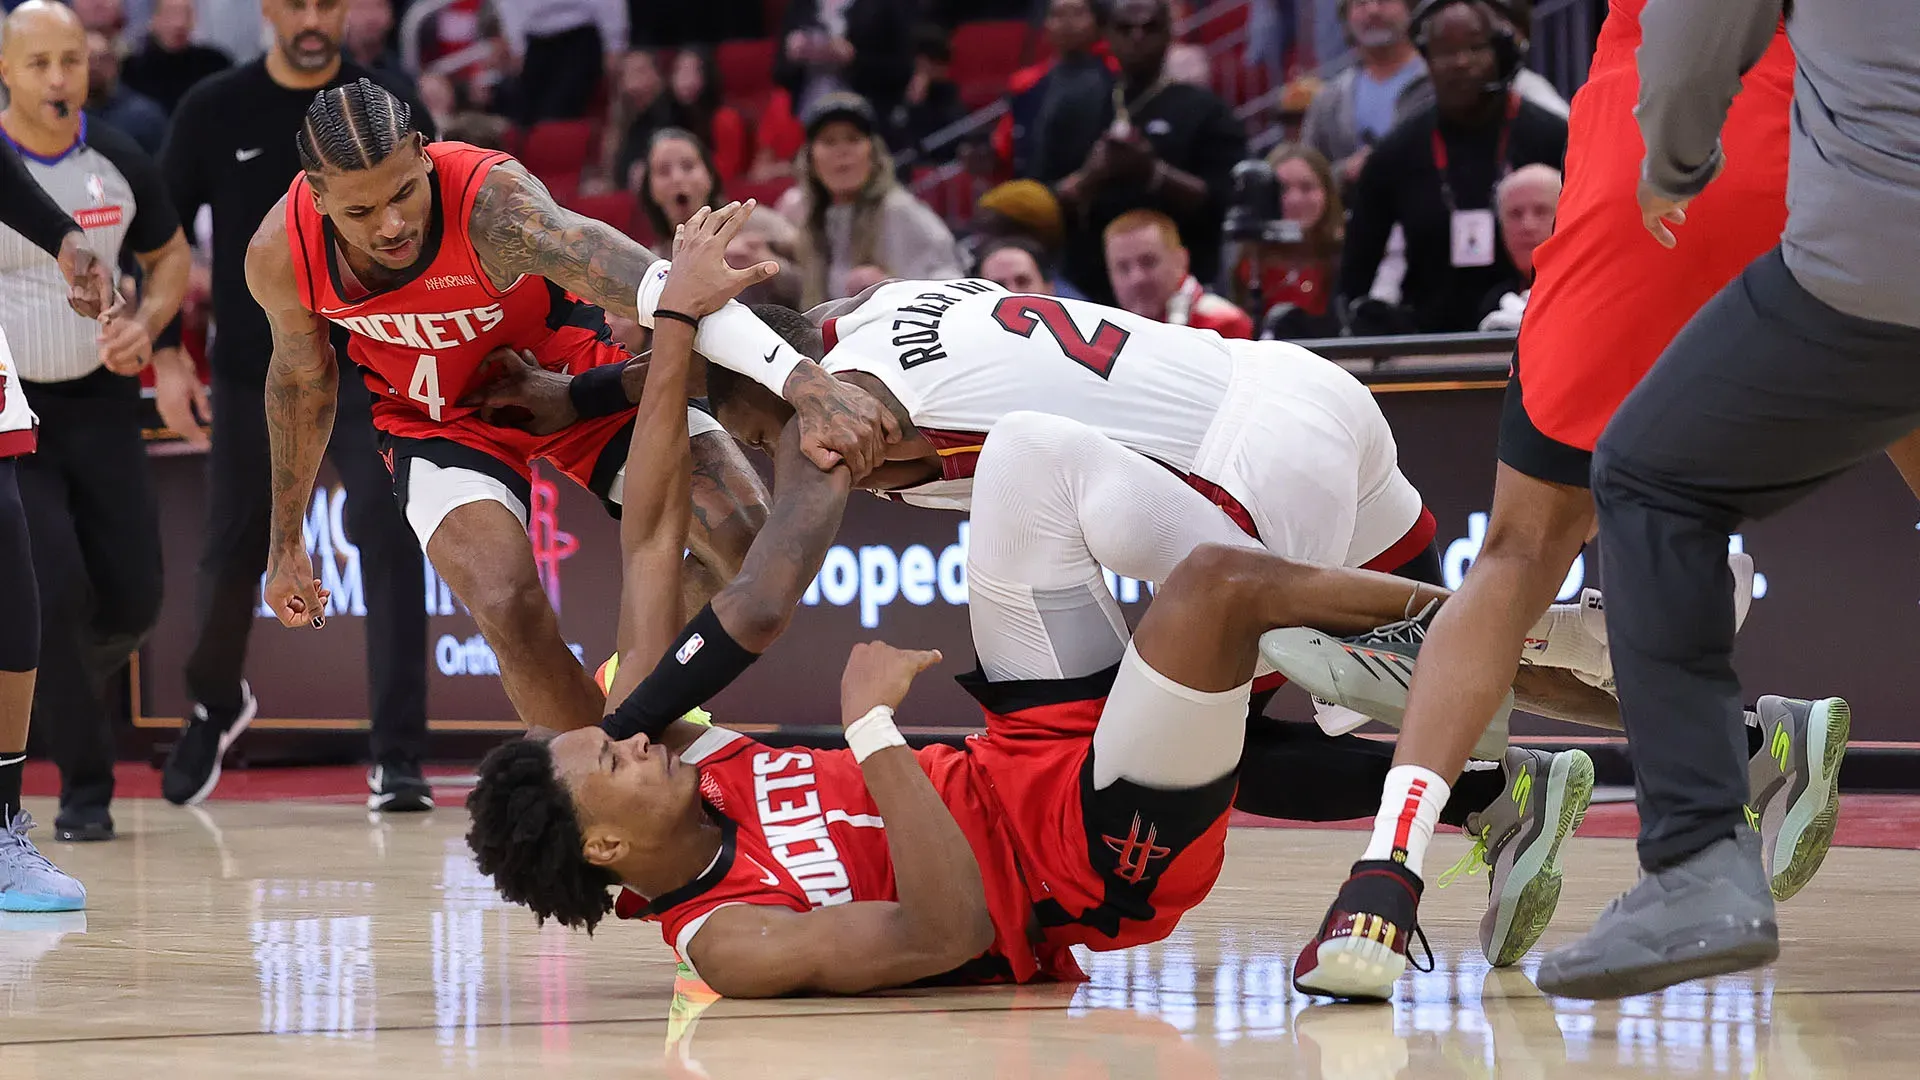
x=1159 y=734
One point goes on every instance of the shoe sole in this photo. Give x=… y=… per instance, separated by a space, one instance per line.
x=1532 y=891
x=40 y=904
x=227 y=738
x=1703 y=961
x=398 y=803
x=1807 y=833
x=1330 y=671
x=1353 y=969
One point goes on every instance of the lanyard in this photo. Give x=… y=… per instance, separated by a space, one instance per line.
x=1499 y=155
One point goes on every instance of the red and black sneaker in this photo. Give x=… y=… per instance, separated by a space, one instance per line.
x=1361 y=949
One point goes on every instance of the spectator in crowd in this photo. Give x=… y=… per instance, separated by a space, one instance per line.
x=134 y=113
x=560 y=50
x=1149 y=143
x=441 y=97
x=1152 y=276
x=767 y=237
x=1527 y=201
x=640 y=107
x=1075 y=30
x=931 y=102
x=90 y=509
x=1434 y=175
x=1016 y=264
x=107 y=16
x=1358 y=106
x=833 y=46
x=455 y=118
x=697 y=107
x=1188 y=63
x=677 y=177
x=1297 y=275
x=1024 y=210
x=169 y=62
x=851 y=211
x=1296 y=100
x=369 y=41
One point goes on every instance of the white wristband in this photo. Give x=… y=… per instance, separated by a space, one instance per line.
x=733 y=337
x=873 y=733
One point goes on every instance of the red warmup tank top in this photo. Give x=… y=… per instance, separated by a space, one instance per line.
x=423 y=341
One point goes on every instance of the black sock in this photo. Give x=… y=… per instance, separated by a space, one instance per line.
x=1474 y=791
x=1756 y=738
x=10 y=783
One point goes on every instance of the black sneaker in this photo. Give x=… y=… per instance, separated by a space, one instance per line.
x=193 y=765
x=1362 y=947
x=398 y=787
x=83 y=824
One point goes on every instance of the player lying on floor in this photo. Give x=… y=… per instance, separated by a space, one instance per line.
x=782 y=871
x=1182 y=438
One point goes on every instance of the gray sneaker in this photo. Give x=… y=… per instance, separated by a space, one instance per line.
x=1369 y=673
x=1708 y=915
x=1519 y=837
x=28 y=882
x=1795 y=785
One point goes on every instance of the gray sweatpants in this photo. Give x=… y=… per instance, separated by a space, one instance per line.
x=1766 y=394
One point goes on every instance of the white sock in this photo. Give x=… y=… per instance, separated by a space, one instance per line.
x=1409 y=809
x=1571 y=636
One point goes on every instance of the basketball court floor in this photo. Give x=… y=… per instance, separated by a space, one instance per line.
x=290 y=940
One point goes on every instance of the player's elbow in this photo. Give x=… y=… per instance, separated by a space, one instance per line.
x=753 y=616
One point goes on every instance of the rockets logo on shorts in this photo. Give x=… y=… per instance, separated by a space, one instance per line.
x=690 y=649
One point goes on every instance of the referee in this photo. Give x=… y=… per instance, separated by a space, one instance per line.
x=28 y=882
x=1803 y=366
x=88 y=497
x=232 y=148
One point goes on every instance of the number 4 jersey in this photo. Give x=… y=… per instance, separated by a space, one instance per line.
x=1286 y=443
x=423 y=341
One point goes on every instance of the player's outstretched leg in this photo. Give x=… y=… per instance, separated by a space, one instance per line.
x=1468 y=659
x=28 y=882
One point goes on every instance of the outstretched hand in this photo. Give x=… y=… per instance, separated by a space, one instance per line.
x=879 y=674
x=701 y=282
x=513 y=390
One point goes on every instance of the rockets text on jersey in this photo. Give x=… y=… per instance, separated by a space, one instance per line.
x=961 y=354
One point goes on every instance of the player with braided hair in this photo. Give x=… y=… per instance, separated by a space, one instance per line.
x=438 y=258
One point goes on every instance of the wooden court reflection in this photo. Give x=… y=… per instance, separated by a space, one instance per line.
x=299 y=940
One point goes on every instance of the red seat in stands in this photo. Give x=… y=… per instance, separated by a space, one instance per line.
x=556 y=150
x=768 y=192
x=746 y=74
x=617 y=208
x=985 y=53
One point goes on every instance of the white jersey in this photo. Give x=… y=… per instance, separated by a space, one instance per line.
x=16 y=420
x=959 y=355
x=1288 y=444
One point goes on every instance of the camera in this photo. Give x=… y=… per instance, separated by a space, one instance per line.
x=1253 y=208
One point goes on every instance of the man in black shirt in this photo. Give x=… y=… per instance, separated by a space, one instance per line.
x=169 y=63
x=1148 y=144
x=232 y=148
x=1434 y=174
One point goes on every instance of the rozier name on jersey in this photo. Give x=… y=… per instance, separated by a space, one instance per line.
x=428 y=332
x=788 y=801
x=916 y=326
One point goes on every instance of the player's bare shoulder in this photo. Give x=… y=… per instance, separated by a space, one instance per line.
x=271 y=275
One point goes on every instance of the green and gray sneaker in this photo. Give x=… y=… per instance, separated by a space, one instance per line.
x=1519 y=837
x=1794 y=780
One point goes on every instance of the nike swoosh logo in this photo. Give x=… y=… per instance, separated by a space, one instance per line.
x=766 y=875
x=770 y=356
x=247 y=155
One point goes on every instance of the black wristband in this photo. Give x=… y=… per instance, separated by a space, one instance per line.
x=599 y=391
x=703 y=661
x=676 y=316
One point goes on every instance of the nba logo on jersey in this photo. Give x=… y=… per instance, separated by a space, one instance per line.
x=688 y=650
x=100 y=215
x=96 y=190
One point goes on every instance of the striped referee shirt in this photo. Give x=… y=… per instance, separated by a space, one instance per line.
x=112 y=188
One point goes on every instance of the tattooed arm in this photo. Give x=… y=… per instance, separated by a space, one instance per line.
x=303 y=382
x=517 y=229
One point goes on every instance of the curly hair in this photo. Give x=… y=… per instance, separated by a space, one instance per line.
x=526 y=836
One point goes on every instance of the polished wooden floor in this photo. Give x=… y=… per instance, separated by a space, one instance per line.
x=295 y=940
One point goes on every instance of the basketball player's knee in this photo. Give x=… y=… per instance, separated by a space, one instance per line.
x=1218 y=577
x=512 y=608
x=1032 y=441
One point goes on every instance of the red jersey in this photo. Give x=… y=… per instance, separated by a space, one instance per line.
x=422 y=342
x=800 y=831
x=1606 y=298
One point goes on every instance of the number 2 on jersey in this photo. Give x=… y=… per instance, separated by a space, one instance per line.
x=1024 y=314
x=425 y=387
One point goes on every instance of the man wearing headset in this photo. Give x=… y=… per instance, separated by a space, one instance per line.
x=1434 y=174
